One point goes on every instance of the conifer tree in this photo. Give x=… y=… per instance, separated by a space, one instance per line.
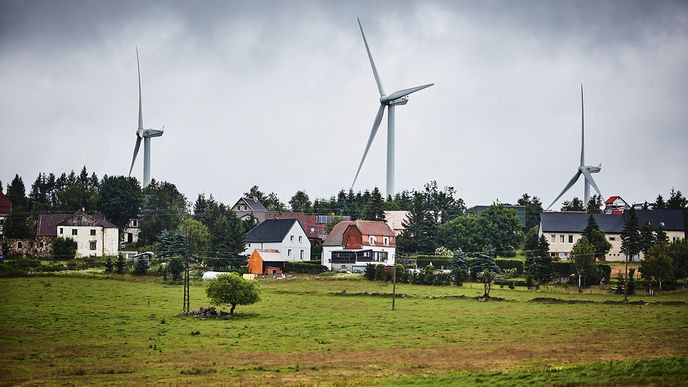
x=459 y=267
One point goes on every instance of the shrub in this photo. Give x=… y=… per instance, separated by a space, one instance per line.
x=510 y=264
x=120 y=264
x=380 y=272
x=304 y=267
x=64 y=248
x=109 y=265
x=370 y=272
x=141 y=266
x=176 y=267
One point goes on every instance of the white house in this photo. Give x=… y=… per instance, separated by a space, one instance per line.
x=131 y=232
x=564 y=229
x=284 y=235
x=94 y=235
x=351 y=245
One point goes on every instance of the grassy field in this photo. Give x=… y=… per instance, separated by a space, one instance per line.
x=125 y=330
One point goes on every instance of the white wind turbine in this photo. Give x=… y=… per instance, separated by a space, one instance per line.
x=584 y=170
x=144 y=134
x=386 y=101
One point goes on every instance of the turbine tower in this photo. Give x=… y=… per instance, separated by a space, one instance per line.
x=144 y=134
x=584 y=170
x=386 y=101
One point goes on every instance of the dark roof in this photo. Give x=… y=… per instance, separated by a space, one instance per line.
x=670 y=220
x=254 y=204
x=47 y=223
x=609 y=223
x=5 y=204
x=271 y=230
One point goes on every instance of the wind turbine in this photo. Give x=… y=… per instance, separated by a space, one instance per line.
x=386 y=101
x=144 y=134
x=584 y=170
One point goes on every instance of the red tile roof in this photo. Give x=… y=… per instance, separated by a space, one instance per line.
x=5 y=204
x=612 y=199
x=367 y=227
x=309 y=223
x=336 y=236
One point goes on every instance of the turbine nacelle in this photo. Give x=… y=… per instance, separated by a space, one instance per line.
x=395 y=102
x=593 y=169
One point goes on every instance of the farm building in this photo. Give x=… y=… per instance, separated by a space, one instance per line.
x=351 y=245
x=267 y=261
x=564 y=229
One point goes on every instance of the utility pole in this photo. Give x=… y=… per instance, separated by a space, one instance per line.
x=394 y=286
x=186 y=285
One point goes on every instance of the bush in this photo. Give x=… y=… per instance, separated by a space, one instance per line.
x=370 y=272
x=64 y=248
x=304 y=268
x=505 y=264
x=120 y=264
x=141 y=266
x=380 y=272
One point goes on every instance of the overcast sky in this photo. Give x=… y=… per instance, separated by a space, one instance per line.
x=281 y=94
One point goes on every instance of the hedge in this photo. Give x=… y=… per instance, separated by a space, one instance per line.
x=304 y=268
x=510 y=264
x=436 y=260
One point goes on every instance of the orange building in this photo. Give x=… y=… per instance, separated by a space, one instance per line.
x=266 y=261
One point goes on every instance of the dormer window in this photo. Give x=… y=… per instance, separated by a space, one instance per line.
x=371 y=240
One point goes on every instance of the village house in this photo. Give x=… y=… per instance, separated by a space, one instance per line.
x=5 y=211
x=351 y=245
x=284 y=235
x=131 y=232
x=93 y=234
x=247 y=207
x=564 y=229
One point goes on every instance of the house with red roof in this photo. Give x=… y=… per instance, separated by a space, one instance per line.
x=351 y=245
x=615 y=205
x=5 y=210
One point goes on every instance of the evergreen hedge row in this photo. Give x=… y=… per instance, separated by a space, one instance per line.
x=304 y=267
x=510 y=264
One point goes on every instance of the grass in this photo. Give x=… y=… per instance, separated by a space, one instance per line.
x=126 y=330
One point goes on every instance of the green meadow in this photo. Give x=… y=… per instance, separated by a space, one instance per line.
x=97 y=329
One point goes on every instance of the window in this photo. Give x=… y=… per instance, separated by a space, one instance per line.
x=74 y=231
x=19 y=245
x=612 y=238
x=385 y=241
x=300 y=238
x=561 y=239
x=134 y=223
x=301 y=255
x=291 y=238
x=371 y=240
x=41 y=245
x=93 y=231
x=554 y=238
x=570 y=238
x=289 y=253
x=61 y=230
x=92 y=245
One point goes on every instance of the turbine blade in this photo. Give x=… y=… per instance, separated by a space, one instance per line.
x=138 y=67
x=588 y=177
x=404 y=92
x=568 y=186
x=372 y=63
x=136 y=151
x=582 y=161
x=373 y=132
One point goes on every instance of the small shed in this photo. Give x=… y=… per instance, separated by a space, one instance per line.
x=266 y=261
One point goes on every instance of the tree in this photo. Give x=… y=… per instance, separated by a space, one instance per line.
x=500 y=228
x=226 y=235
x=64 y=248
x=16 y=192
x=659 y=204
x=300 y=202
x=120 y=264
x=141 y=265
x=231 y=289
x=678 y=251
x=657 y=265
x=594 y=205
x=459 y=267
x=486 y=277
x=78 y=195
x=420 y=228
x=163 y=209
x=647 y=237
x=120 y=199
x=538 y=265
x=533 y=210
x=442 y=204
x=596 y=237
x=462 y=232
x=676 y=200
x=583 y=259
x=661 y=236
x=574 y=205
x=483 y=261
x=197 y=235
x=374 y=210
